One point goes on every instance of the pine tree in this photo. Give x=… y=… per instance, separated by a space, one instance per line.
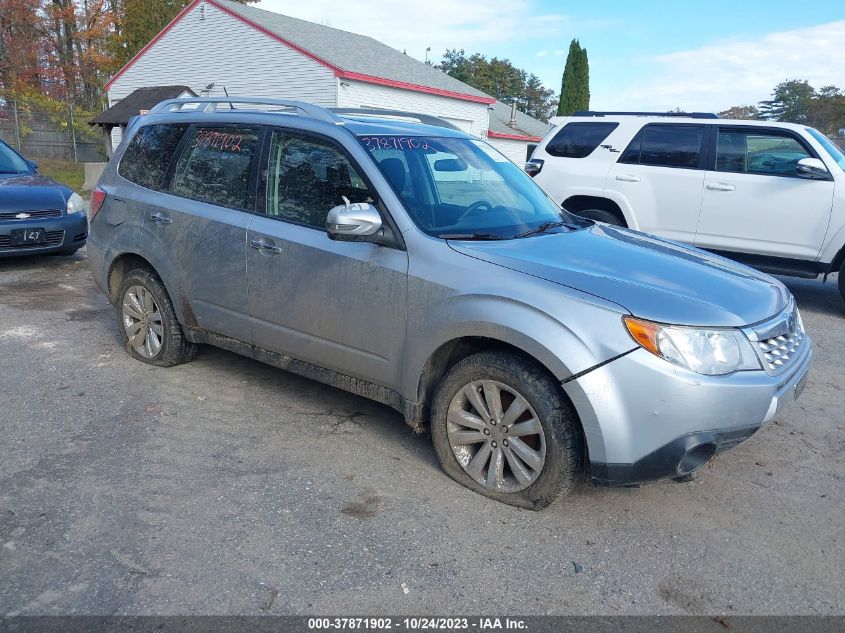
x=575 y=88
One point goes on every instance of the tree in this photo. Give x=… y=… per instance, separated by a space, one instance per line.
x=790 y=102
x=575 y=87
x=19 y=69
x=501 y=79
x=748 y=112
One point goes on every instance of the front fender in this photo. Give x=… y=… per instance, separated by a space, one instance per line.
x=564 y=349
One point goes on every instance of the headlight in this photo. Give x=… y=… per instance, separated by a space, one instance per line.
x=712 y=352
x=75 y=204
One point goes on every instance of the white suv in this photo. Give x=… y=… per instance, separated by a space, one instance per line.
x=768 y=194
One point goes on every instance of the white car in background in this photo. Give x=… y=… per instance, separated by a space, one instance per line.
x=771 y=195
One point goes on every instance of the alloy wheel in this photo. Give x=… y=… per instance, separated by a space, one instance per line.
x=142 y=322
x=496 y=436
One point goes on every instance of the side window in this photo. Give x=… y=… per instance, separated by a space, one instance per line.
x=215 y=166
x=751 y=152
x=578 y=140
x=306 y=177
x=149 y=153
x=672 y=145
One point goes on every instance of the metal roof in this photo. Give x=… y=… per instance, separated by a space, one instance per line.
x=528 y=126
x=351 y=53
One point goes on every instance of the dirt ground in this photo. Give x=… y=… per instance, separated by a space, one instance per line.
x=225 y=486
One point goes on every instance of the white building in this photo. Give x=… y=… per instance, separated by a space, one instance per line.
x=217 y=45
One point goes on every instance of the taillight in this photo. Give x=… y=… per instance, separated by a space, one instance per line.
x=533 y=167
x=98 y=197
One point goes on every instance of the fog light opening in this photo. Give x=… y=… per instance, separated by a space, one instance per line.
x=695 y=458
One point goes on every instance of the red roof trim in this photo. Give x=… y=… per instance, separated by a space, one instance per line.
x=513 y=137
x=160 y=35
x=339 y=72
x=415 y=87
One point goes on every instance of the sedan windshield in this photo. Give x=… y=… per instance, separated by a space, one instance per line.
x=10 y=162
x=458 y=188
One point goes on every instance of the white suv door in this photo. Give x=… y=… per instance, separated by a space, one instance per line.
x=754 y=202
x=660 y=176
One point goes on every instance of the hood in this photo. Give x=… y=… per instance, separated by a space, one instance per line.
x=27 y=192
x=652 y=278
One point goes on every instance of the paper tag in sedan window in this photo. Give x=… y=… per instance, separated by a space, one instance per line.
x=493 y=153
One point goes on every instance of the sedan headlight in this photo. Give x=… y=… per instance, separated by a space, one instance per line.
x=75 y=204
x=709 y=351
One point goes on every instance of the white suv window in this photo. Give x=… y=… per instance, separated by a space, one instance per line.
x=767 y=153
x=579 y=140
x=667 y=145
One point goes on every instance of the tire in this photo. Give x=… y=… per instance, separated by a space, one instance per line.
x=559 y=437
x=601 y=215
x=157 y=321
x=842 y=280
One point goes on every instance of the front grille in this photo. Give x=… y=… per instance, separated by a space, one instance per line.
x=51 y=238
x=31 y=215
x=779 y=341
x=780 y=350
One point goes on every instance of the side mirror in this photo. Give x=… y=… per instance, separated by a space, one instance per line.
x=32 y=164
x=353 y=222
x=812 y=168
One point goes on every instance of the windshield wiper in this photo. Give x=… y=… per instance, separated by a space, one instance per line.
x=547 y=226
x=471 y=236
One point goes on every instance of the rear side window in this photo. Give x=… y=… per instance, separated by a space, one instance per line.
x=678 y=145
x=149 y=153
x=578 y=140
x=215 y=167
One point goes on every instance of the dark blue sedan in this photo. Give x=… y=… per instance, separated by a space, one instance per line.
x=37 y=214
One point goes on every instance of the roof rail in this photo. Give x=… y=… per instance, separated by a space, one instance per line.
x=686 y=115
x=210 y=104
x=426 y=119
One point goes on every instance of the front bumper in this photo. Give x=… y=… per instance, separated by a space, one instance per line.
x=645 y=419
x=64 y=233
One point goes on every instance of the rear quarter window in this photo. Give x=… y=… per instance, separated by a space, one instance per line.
x=579 y=140
x=148 y=155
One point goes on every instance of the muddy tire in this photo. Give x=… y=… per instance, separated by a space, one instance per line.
x=147 y=324
x=523 y=447
x=601 y=215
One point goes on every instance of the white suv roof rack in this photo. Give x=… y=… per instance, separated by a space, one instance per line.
x=684 y=115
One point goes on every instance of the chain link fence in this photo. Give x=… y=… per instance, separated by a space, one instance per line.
x=59 y=133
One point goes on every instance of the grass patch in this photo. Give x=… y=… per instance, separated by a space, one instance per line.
x=65 y=171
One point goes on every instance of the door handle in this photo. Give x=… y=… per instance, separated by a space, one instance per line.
x=720 y=186
x=628 y=178
x=261 y=245
x=158 y=217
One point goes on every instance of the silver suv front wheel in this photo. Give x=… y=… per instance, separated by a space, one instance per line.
x=502 y=426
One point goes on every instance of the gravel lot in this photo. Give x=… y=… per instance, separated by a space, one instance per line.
x=225 y=486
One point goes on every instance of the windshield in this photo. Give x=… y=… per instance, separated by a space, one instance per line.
x=463 y=188
x=830 y=147
x=10 y=162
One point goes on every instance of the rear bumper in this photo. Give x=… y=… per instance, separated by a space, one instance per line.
x=64 y=233
x=645 y=419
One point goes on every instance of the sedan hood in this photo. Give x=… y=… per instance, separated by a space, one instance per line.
x=28 y=192
x=653 y=278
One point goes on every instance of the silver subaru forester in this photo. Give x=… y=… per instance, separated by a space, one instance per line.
x=393 y=256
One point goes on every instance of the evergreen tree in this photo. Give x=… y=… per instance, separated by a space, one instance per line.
x=575 y=88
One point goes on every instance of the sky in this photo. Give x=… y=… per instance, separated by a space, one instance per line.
x=644 y=55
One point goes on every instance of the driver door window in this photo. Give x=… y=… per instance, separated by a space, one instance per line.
x=306 y=177
x=764 y=153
